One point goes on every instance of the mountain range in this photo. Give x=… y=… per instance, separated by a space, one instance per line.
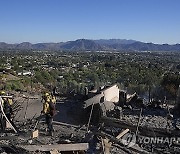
x=94 y=45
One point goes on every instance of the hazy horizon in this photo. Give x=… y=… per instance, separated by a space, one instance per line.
x=82 y=38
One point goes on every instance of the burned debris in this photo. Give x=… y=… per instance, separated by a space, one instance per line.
x=110 y=120
x=114 y=110
x=30 y=134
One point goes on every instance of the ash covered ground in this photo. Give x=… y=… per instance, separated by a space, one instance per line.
x=69 y=127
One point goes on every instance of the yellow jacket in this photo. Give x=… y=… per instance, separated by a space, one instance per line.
x=9 y=100
x=46 y=108
x=2 y=102
x=53 y=99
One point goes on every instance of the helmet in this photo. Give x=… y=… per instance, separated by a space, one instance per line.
x=46 y=94
x=2 y=92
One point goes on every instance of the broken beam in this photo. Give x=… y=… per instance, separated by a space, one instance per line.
x=59 y=147
x=122 y=133
x=7 y=97
x=106 y=144
x=60 y=123
x=134 y=148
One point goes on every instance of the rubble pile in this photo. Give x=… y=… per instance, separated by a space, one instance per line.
x=150 y=127
x=62 y=135
x=108 y=128
x=156 y=118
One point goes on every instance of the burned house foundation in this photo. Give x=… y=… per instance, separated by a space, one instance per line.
x=98 y=124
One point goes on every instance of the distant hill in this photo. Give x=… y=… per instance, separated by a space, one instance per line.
x=140 y=46
x=114 y=41
x=94 y=45
x=4 y=45
x=24 y=45
x=82 y=44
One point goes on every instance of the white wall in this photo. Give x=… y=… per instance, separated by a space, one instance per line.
x=111 y=94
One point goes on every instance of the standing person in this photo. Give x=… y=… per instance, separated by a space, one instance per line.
x=7 y=108
x=49 y=111
x=2 y=122
x=8 y=102
x=2 y=119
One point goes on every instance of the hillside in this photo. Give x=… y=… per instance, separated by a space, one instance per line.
x=94 y=45
x=81 y=44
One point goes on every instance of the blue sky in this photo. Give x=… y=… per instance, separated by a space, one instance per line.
x=156 y=21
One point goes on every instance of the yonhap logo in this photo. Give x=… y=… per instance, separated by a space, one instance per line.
x=158 y=140
x=129 y=139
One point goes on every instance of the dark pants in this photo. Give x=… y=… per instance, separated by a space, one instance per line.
x=8 y=115
x=49 y=120
x=2 y=123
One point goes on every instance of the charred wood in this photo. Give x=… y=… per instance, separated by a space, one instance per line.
x=142 y=129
